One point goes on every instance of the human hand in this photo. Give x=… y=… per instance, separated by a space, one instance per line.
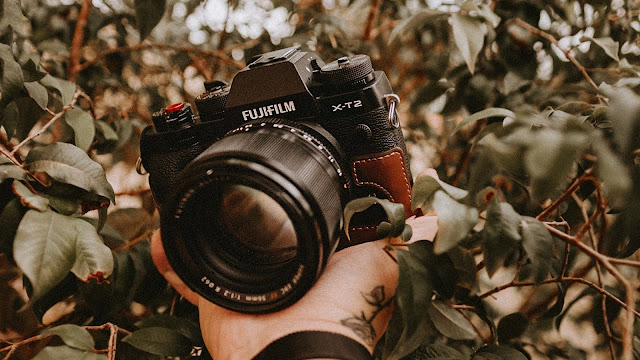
x=336 y=303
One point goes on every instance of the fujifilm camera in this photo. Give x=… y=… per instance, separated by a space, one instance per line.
x=251 y=191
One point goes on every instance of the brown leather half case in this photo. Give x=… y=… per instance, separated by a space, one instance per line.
x=387 y=174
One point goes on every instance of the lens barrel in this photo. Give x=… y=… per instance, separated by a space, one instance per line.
x=255 y=217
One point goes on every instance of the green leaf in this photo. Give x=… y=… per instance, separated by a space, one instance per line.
x=538 y=244
x=28 y=198
x=503 y=352
x=500 y=234
x=73 y=335
x=450 y=322
x=70 y=165
x=395 y=214
x=486 y=113
x=425 y=187
x=607 y=44
x=67 y=353
x=66 y=88
x=48 y=245
x=38 y=93
x=614 y=174
x=416 y=22
x=29 y=112
x=455 y=221
x=511 y=327
x=9 y=118
x=148 y=13
x=413 y=297
x=10 y=218
x=8 y=170
x=184 y=326
x=11 y=15
x=12 y=80
x=465 y=267
x=468 y=34
x=83 y=127
x=32 y=72
x=437 y=352
x=160 y=341
x=550 y=159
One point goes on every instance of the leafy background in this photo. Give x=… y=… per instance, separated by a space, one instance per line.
x=529 y=111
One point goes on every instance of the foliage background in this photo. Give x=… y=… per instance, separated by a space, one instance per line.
x=529 y=108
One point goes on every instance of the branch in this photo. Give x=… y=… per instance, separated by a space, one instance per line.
x=55 y=118
x=146 y=45
x=374 y=10
x=78 y=39
x=534 y=30
x=576 y=184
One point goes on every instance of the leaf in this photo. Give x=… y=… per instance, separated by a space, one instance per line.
x=614 y=174
x=607 y=44
x=73 y=335
x=500 y=234
x=416 y=22
x=395 y=214
x=10 y=218
x=450 y=322
x=48 y=245
x=511 y=327
x=159 y=341
x=66 y=88
x=538 y=244
x=38 y=93
x=67 y=353
x=437 y=352
x=465 y=267
x=11 y=15
x=28 y=115
x=70 y=165
x=413 y=297
x=83 y=127
x=455 y=221
x=148 y=13
x=184 y=326
x=551 y=157
x=503 y=352
x=28 y=198
x=8 y=170
x=486 y=113
x=468 y=34
x=31 y=72
x=9 y=118
x=425 y=187
x=12 y=79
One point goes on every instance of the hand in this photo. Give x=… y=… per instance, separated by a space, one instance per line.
x=335 y=303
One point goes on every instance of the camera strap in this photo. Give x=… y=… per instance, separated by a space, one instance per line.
x=314 y=345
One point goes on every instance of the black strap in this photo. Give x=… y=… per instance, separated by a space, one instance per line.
x=314 y=345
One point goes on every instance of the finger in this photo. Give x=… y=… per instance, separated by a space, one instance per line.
x=162 y=263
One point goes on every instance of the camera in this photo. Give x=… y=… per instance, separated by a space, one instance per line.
x=251 y=191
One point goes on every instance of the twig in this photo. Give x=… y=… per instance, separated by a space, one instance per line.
x=135 y=240
x=55 y=118
x=374 y=10
x=146 y=45
x=534 y=30
x=576 y=184
x=78 y=39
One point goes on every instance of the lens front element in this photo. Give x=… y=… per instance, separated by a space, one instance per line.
x=261 y=232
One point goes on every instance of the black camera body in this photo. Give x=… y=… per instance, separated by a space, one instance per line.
x=251 y=195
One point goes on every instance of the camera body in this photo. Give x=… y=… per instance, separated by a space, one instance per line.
x=290 y=136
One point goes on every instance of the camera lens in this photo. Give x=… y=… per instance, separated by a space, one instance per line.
x=254 y=218
x=260 y=229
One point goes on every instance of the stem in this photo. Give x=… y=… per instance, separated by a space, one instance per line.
x=534 y=30
x=78 y=39
x=55 y=118
x=374 y=10
x=576 y=184
x=146 y=45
